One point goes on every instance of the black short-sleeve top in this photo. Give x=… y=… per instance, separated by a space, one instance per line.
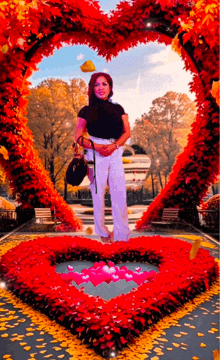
x=104 y=119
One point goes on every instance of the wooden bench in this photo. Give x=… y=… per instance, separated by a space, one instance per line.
x=169 y=216
x=43 y=215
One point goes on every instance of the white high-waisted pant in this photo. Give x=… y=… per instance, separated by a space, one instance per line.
x=111 y=168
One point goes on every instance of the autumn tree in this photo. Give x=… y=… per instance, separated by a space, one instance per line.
x=52 y=113
x=162 y=133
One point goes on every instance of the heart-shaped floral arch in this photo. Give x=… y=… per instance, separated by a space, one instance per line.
x=31 y=30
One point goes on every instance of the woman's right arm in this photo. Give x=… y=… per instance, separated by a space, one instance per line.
x=81 y=126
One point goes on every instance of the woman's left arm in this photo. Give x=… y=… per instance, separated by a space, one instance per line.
x=126 y=131
x=109 y=149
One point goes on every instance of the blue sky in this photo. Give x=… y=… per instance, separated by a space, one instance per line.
x=139 y=75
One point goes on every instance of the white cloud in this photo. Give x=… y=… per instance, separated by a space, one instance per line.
x=80 y=57
x=165 y=73
x=105 y=70
x=134 y=104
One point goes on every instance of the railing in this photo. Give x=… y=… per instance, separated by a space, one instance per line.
x=209 y=218
x=8 y=214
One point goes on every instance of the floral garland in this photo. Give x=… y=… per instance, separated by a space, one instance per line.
x=31 y=30
x=29 y=271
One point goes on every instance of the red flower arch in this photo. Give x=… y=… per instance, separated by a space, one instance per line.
x=34 y=29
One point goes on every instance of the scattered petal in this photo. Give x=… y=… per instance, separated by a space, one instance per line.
x=27 y=348
x=214 y=329
x=175 y=345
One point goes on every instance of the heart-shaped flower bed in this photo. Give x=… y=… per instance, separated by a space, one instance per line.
x=29 y=270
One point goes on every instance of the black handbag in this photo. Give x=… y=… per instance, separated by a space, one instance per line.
x=77 y=169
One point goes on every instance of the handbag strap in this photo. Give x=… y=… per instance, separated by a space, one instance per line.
x=94 y=177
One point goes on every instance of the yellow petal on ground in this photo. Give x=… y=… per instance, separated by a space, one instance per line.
x=87 y=66
x=4 y=335
x=29 y=329
x=169 y=349
x=154 y=358
x=202 y=345
x=200 y=334
x=42 y=351
x=192 y=327
x=216 y=354
x=177 y=335
x=175 y=345
x=208 y=245
x=6 y=356
x=40 y=339
x=57 y=348
x=27 y=348
x=162 y=339
x=183 y=333
x=60 y=356
x=195 y=358
x=29 y=334
x=157 y=349
x=23 y=343
x=214 y=329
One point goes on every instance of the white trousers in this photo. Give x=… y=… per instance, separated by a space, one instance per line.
x=109 y=168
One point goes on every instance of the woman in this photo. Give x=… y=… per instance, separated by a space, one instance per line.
x=108 y=127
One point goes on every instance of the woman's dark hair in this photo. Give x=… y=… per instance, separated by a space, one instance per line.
x=94 y=77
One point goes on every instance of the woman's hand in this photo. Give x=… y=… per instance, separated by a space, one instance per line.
x=107 y=150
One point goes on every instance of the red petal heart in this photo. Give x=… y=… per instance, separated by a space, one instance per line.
x=29 y=270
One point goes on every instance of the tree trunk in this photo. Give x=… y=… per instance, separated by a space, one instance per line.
x=152 y=181
x=52 y=169
x=160 y=179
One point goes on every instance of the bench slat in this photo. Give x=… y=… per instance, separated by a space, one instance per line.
x=43 y=213
x=169 y=216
